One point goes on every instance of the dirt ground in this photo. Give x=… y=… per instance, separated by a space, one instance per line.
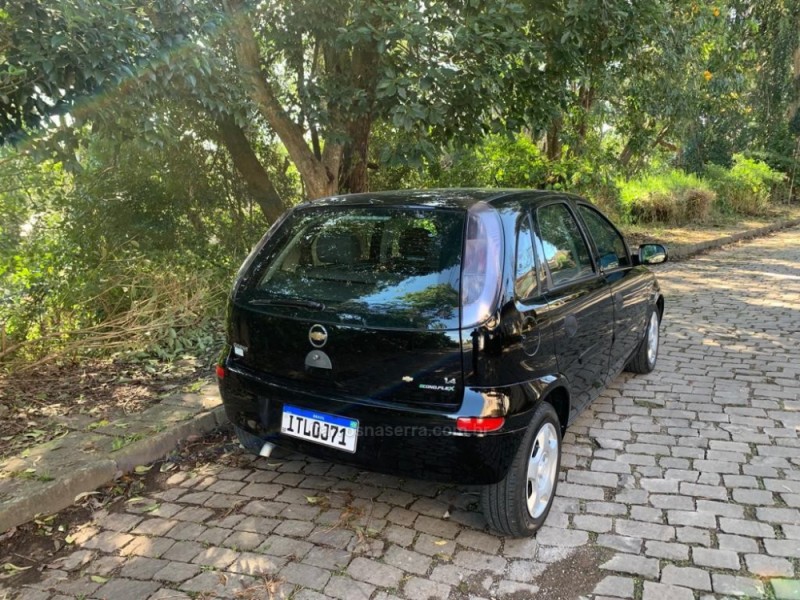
x=39 y=405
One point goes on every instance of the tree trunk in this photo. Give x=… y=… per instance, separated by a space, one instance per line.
x=554 y=139
x=250 y=168
x=364 y=76
x=586 y=99
x=320 y=176
x=355 y=176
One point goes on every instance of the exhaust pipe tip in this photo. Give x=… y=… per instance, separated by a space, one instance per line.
x=266 y=449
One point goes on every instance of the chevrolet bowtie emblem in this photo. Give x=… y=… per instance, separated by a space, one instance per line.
x=318 y=336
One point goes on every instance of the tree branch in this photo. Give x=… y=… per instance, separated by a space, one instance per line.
x=252 y=171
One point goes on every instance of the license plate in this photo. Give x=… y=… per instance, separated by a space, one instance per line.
x=321 y=428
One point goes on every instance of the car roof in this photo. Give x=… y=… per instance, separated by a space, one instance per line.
x=438 y=198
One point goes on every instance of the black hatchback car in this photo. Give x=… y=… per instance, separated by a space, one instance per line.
x=442 y=334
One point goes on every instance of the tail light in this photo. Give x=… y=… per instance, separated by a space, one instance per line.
x=220 y=372
x=482 y=265
x=479 y=424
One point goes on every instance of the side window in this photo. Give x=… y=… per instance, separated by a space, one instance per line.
x=565 y=251
x=609 y=242
x=525 y=280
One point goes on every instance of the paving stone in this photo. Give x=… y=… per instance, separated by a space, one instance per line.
x=141 y=567
x=243 y=540
x=375 y=573
x=638 y=529
x=282 y=546
x=786 y=589
x=660 y=591
x=183 y=551
x=479 y=541
x=251 y=563
x=692 y=519
x=407 y=560
x=514 y=589
x=747 y=528
x=753 y=497
x=155 y=526
x=436 y=527
x=402 y=536
x=635 y=565
x=768 y=566
x=787 y=548
x=418 y=588
x=618 y=587
x=126 y=589
x=592 y=523
x=478 y=561
x=718 y=559
x=345 y=588
x=305 y=575
x=328 y=558
x=218 y=558
x=525 y=570
x=552 y=536
x=737 y=586
x=108 y=541
x=520 y=547
x=176 y=572
x=212 y=583
x=737 y=543
x=621 y=543
x=294 y=528
x=450 y=574
x=691 y=577
x=667 y=550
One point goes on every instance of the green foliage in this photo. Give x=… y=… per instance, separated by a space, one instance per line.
x=747 y=187
x=673 y=197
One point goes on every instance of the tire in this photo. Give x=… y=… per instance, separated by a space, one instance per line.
x=644 y=361
x=249 y=441
x=505 y=504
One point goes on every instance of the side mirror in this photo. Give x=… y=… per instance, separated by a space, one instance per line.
x=652 y=254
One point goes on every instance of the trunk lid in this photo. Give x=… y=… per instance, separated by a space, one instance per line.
x=359 y=301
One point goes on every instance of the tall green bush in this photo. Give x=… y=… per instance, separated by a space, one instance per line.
x=747 y=187
x=672 y=197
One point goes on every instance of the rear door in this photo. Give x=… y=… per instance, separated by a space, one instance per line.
x=579 y=301
x=357 y=301
x=630 y=291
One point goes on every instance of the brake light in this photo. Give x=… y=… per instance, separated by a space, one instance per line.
x=220 y=371
x=479 y=424
x=482 y=265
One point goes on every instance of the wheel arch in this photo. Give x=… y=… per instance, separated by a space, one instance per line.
x=558 y=397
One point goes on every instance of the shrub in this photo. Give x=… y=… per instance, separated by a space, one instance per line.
x=747 y=187
x=673 y=197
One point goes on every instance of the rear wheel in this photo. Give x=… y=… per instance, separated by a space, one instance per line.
x=518 y=505
x=644 y=361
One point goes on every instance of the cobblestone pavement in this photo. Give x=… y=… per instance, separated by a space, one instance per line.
x=681 y=484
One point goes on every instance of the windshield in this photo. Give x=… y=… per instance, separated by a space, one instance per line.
x=373 y=266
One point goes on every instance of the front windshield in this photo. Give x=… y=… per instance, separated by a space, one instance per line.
x=375 y=266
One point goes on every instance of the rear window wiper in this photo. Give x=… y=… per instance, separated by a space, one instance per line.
x=299 y=302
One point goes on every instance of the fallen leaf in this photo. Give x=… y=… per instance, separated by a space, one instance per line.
x=83 y=495
x=98 y=579
x=440 y=542
x=140 y=469
x=14 y=568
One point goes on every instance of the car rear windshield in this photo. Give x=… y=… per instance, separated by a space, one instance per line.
x=366 y=265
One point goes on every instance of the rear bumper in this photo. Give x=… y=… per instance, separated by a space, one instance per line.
x=408 y=442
